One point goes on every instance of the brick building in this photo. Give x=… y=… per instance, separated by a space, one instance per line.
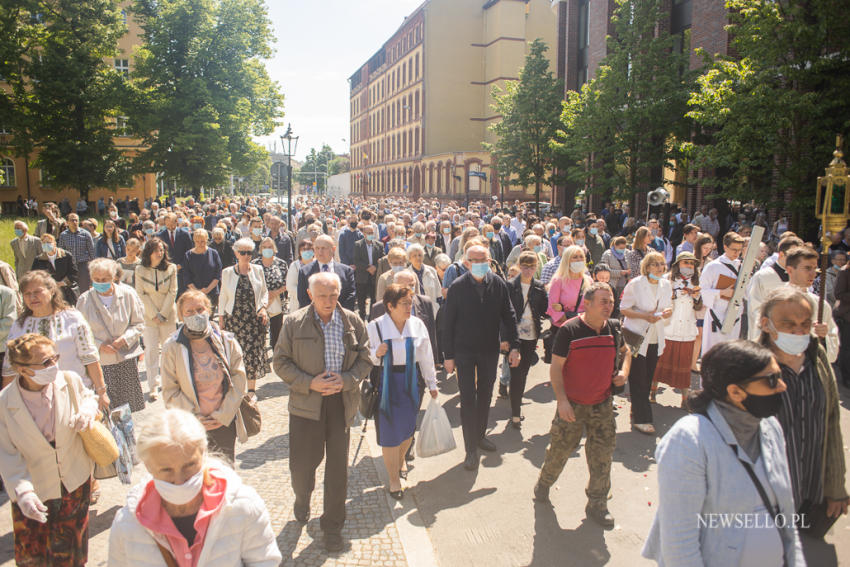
x=421 y=105
x=583 y=27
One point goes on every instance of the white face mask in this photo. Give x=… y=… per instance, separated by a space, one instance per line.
x=45 y=376
x=180 y=494
x=577 y=267
x=790 y=343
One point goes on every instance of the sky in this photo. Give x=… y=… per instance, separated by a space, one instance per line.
x=320 y=43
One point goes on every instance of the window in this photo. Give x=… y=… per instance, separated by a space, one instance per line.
x=122 y=127
x=7 y=172
x=123 y=66
x=416 y=66
x=583 y=43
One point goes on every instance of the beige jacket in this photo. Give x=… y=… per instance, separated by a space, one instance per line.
x=178 y=385
x=299 y=356
x=229 y=281
x=158 y=291
x=26 y=250
x=27 y=461
x=124 y=318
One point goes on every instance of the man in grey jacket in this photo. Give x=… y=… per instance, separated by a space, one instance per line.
x=323 y=354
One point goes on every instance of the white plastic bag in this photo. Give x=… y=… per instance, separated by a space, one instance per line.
x=435 y=434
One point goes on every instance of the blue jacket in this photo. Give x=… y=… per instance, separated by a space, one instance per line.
x=101 y=248
x=182 y=244
x=347 y=238
x=346 y=276
x=698 y=473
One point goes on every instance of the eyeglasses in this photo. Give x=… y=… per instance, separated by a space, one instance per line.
x=771 y=379
x=49 y=361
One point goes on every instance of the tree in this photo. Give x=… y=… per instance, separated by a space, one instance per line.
x=530 y=108
x=628 y=122
x=770 y=115
x=315 y=168
x=202 y=88
x=63 y=97
x=340 y=164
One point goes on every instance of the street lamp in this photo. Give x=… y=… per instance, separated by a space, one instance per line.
x=289 y=153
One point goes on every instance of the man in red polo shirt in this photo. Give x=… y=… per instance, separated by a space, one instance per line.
x=583 y=372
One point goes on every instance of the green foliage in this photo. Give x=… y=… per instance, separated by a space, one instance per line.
x=529 y=108
x=315 y=162
x=340 y=164
x=64 y=94
x=626 y=123
x=771 y=116
x=202 y=89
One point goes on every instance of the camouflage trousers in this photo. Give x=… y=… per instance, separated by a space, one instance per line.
x=598 y=421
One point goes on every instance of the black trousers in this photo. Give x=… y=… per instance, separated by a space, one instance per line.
x=364 y=291
x=476 y=374
x=844 y=352
x=309 y=442
x=275 y=324
x=640 y=382
x=223 y=441
x=520 y=374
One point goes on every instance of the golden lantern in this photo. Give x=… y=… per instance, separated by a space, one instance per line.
x=832 y=209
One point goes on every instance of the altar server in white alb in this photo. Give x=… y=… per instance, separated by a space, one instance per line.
x=717 y=283
x=764 y=281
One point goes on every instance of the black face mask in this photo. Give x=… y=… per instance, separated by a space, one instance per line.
x=763 y=406
x=353 y=225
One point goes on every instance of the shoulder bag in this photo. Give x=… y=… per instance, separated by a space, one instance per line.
x=369 y=395
x=97 y=440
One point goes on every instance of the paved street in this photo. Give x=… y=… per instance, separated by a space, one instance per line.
x=451 y=517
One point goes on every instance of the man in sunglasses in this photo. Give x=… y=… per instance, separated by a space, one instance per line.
x=809 y=412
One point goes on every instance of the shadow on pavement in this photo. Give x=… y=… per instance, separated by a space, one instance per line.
x=541 y=393
x=635 y=450
x=449 y=490
x=287 y=539
x=272 y=389
x=101 y=521
x=584 y=546
x=273 y=449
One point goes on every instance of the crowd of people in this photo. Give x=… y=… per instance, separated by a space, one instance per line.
x=214 y=295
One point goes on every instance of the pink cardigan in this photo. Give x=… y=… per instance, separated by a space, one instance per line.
x=564 y=291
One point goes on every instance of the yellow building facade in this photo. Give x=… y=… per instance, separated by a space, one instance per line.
x=421 y=106
x=17 y=179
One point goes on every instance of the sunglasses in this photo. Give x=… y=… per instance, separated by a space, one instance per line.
x=244 y=252
x=49 y=361
x=771 y=379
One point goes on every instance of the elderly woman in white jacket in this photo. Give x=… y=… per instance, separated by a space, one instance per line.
x=43 y=462
x=243 y=305
x=646 y=304
x=429 y=282
x=191 y=509
x=117 y=319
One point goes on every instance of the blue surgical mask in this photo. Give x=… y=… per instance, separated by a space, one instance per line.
x=479 y=270
x=397 y=269
x=654 y=277
x=490 y=235
x=370 y=237
x=580 y=242
x=148 y=231
x=257 y=231
x=47 y=247
x=619 y=252
x=306 y=255
x=18 y=232
x=267 y=252
x=594 y=231
x=538 y=249
x=102 y=287
x=417 y=234
x=197 y=226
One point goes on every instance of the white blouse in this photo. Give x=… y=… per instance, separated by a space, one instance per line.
x=414 y=328
x=640 y=295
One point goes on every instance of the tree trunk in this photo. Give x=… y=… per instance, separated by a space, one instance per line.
x=537 y=198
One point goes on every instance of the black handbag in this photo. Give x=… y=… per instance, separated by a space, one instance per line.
x=369 y=395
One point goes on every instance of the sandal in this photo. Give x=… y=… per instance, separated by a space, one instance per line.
x=645 y=428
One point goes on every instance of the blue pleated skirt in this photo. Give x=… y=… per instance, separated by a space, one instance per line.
x=399 y=426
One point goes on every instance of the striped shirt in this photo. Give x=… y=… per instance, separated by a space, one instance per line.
x=334 y=346
x=549 y=269
x=803 y=422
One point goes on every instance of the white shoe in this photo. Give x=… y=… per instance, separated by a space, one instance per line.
x=646 y=428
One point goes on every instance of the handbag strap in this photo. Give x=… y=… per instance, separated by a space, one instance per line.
x=71 y=393
x=166 y=556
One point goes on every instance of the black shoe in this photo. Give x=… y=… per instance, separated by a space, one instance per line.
x=409 y=457
x=333 y=542
x=516 y=424
x=503 y=391
x=302 y=512
x=541 y=493
x=600 y=515
x=486 y=445
x=396 y=494
x=470 y=463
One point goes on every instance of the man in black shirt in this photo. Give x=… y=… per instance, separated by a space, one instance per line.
x=477 y=303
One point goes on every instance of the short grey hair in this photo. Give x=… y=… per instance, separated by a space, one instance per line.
x=104 y=265
x=244 y=244
x=476 y=248
x=415 y=248
x=324 y=278
x=409 y=274
x=442 y=261
x=172 y=427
